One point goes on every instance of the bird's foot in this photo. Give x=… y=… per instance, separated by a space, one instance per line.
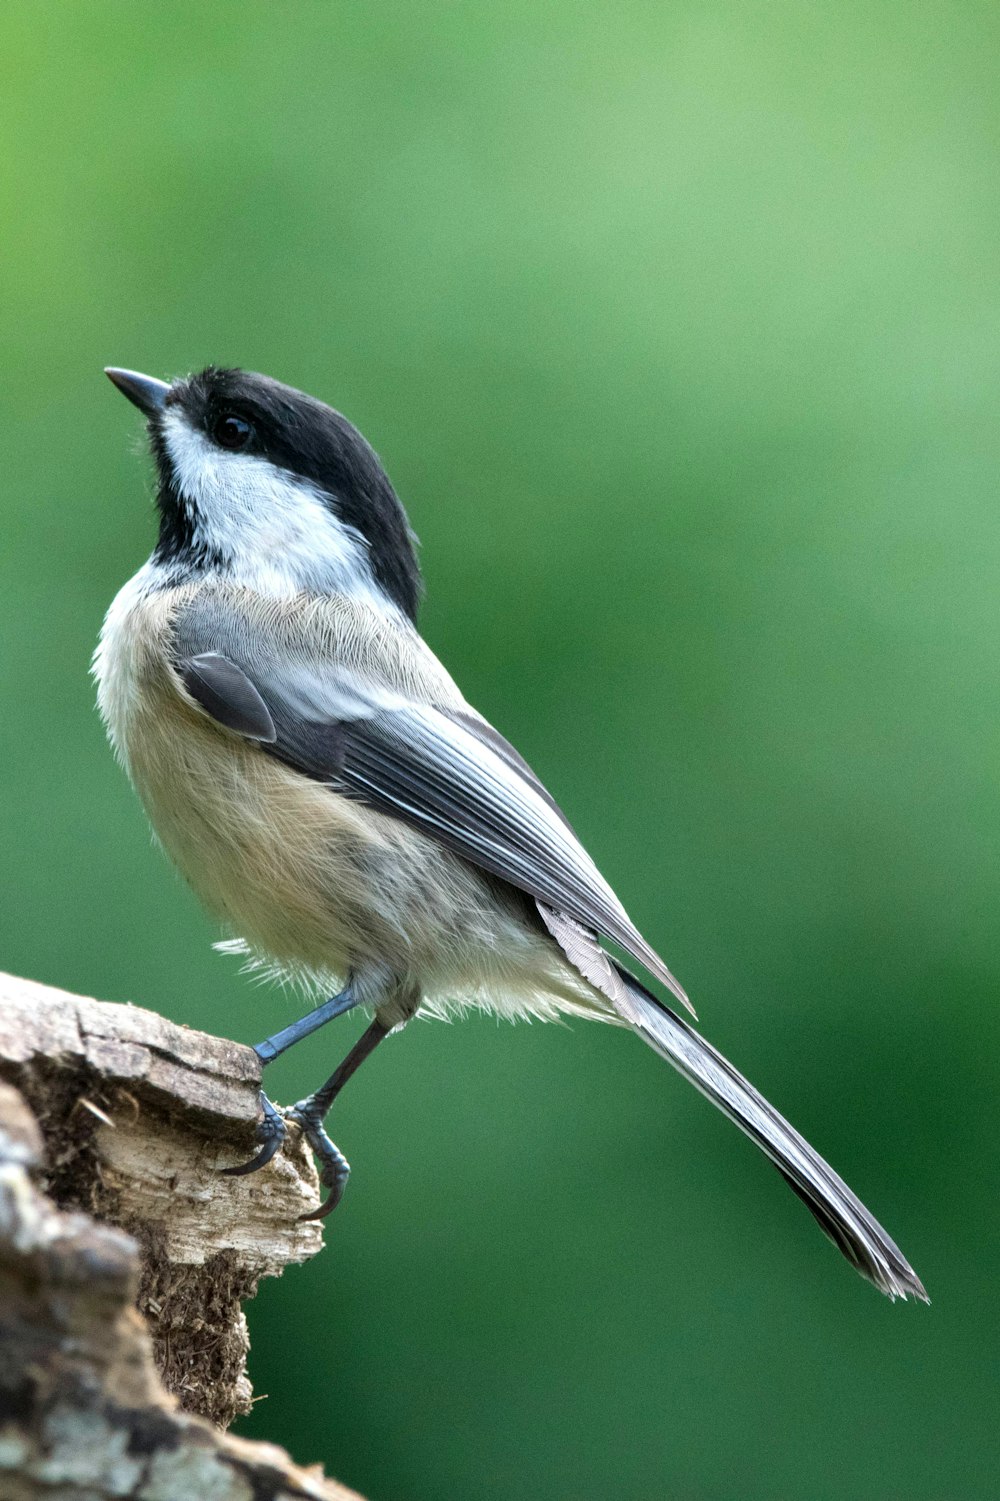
x=334 y=1168
x=271 y=1132
x=308 y=1116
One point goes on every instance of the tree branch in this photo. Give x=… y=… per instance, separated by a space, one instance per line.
x=125 y=1257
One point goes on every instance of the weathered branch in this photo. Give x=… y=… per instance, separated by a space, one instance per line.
x=125 y=1257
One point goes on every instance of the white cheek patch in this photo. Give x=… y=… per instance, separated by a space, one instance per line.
x=274 y=531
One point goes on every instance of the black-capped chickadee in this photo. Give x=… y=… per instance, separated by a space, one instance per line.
x=325 y=788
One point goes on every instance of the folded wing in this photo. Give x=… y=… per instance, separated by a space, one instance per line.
x=439 y=767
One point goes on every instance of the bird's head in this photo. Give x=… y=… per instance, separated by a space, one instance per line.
x=271 y=488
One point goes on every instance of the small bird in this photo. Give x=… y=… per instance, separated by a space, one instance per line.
x=330 y=795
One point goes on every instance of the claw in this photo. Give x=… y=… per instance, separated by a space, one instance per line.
x=270 y=1134
x=334 y=1166
x=327 y=1207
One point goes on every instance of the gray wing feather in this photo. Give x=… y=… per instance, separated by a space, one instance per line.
x=444 y=776
x=224 y=691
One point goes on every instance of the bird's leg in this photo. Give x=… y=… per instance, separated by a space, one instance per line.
x=271 y=1129
x=309 y=1114
x=279 y=1042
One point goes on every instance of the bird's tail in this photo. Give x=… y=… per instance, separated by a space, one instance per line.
x=840 y=1214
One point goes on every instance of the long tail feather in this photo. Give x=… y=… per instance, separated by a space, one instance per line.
x=840 y=1214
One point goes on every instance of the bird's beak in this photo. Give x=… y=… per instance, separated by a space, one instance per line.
x=143 y=391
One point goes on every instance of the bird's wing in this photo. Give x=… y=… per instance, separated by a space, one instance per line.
x=439 y=767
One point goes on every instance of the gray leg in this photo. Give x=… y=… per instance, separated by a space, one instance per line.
x=272 y=1046
x=373 y=988
x=271 y=1130
x=309 y=1114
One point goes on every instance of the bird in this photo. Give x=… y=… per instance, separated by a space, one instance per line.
x=328 y=792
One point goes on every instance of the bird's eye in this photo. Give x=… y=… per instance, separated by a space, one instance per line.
x=231 y=432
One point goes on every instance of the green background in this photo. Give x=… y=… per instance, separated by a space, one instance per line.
x=677 y=328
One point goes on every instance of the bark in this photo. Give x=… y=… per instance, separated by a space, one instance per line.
x=125 y=1258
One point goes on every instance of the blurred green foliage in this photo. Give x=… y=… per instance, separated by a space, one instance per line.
x=677 y=328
